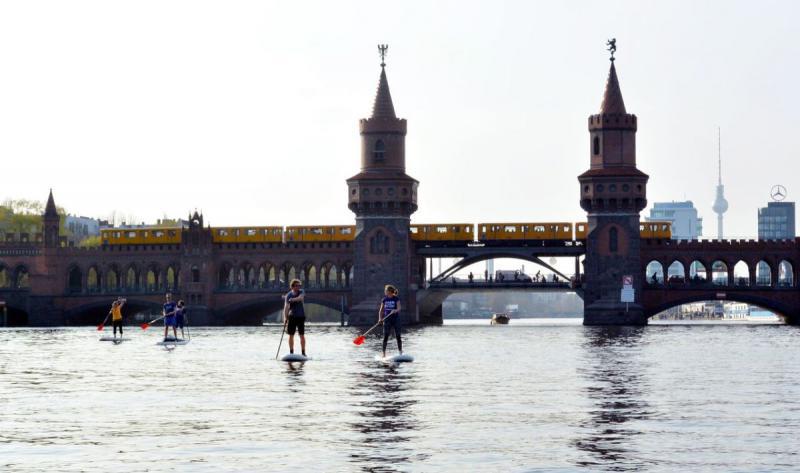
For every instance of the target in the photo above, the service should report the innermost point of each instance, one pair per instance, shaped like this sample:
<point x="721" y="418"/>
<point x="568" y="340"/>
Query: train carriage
<point x="647" y="230"/>
<point x="442" y="234"/>
<point x="320" y="233"/>
<point x="544" y="233"/>
<point x="141" y="236"/>
<point x="247" y="234"/>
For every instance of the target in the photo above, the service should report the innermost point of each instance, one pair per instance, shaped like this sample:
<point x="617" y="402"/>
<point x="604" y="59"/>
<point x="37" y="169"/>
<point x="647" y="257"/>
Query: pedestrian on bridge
<point x="294" y="315"/>
<point x="389" y="317"/>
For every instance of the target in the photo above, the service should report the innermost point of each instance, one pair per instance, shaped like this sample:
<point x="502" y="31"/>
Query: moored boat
<point x="500" y="319"/>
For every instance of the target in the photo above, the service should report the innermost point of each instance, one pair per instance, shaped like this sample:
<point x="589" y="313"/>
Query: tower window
<point x="379" y="151"/>
<point x="596" y="145"/>
<point x="613" y="242"/>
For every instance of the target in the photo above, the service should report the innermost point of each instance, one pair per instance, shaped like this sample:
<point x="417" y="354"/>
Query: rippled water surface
<point x="526" y="397"/>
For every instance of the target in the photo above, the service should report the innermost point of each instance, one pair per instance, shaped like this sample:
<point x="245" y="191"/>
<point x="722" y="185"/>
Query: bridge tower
<point x="613" y="192"/>
<point x="383" y="197"/>
<point x="51" y="223"/>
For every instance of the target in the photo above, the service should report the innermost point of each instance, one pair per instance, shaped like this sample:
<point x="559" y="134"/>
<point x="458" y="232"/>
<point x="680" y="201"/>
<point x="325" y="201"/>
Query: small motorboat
<point x="500" y="319"/>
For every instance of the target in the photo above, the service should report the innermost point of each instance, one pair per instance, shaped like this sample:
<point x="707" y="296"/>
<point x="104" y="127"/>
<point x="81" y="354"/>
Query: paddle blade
<point x="359" y="340"/>
<point x="100" y="327"/>
<point x="145" y="325"/>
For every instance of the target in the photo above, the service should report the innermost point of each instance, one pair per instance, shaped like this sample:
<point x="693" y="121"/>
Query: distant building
<point x="776" y="221"/>
<point x="683" y="217"/>
<point x="81" y="228"/>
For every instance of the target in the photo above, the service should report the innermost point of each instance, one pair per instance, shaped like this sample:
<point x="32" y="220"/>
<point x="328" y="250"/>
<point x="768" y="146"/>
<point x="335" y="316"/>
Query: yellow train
<point x="647" y="230"/>
<point x="247" y="235"/>
<point x="443" y="233"/>
<point x="525" y="232"/>
<point x="141" y="236"/>
<point x="323" y="233"/>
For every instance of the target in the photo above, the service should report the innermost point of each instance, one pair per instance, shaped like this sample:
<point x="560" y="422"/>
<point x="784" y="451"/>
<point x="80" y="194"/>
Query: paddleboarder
<point x="294" y="315"/>
<point x="116" y="315"/>
<point x="389" y="317"/>
<point x="168" y="312"/>
<point x="180" y="316"/>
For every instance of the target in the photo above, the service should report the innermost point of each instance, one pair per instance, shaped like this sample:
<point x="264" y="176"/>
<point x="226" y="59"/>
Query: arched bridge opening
<point x="470" y="261"/>
<point x="724" y="307"/>
<point x="256" y="312"/>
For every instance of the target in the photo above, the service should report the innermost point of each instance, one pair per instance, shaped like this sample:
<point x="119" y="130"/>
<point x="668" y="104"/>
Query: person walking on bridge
<point x="389" y="317"/>
<point x="294" y="312"/>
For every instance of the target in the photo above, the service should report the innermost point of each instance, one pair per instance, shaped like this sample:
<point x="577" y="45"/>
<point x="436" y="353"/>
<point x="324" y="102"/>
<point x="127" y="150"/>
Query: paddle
<point x="103" y="325"/>
<point x="147" y="324"/>
<point x="281" y="342"/>
<point x="359" y="340"/>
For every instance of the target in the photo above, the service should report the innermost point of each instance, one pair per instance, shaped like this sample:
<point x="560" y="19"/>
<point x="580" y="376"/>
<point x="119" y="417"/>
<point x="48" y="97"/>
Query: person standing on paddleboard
<point x="168" y="311"/>
<point x="116" y="315"/>
<point x="180" y="317"/>
<point x="389" y="317"/>
<point x="294" y="312"/>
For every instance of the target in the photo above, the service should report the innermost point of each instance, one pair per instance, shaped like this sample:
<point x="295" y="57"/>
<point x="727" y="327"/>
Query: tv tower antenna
<point x="720" y="204"/>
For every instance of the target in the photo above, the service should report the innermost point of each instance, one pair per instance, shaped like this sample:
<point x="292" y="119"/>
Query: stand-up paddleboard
<point x="115" y="340"/>
<point x="173" y="342"/>
<point x="294" y="357"/>
<point x="395" y="359"/>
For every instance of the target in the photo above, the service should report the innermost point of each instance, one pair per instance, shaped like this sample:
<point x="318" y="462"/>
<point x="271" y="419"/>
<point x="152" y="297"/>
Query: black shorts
<point x="296" y="324"/>
<point x="116" y="323"/>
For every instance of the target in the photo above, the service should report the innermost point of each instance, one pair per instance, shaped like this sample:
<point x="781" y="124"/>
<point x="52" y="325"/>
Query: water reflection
<point x="385" y="419"/>
<point x="616" y="389"/>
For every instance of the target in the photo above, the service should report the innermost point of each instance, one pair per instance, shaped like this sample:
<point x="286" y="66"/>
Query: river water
<point x="547" y="395"/>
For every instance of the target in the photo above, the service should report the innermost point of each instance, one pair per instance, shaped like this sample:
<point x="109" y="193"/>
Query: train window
<point x="158" y="234"/>
<point x="251" y="232"/>
<point x="414" y="230"/>
<point x="347" y="231"/>
<point x="236" y="232"/>
<point x="441" y="229"/>
<point x="566" y="228"/>
<point x="538" y="228"/>
<point x="317" y="231"/>
<point x="131" y="234"/>
<point x="172" y="233"/>
<point x="641" y="227"/>
<point x="117" y="234"/>
<point x="222" y="232"/>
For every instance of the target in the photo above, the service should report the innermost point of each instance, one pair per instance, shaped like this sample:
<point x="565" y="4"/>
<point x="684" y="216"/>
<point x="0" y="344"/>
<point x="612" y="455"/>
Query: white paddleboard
<point x="395" y="359"/>
<point x="294" y="357"/>
<point x="112" y="339"/>
<point x="173" y="342"/>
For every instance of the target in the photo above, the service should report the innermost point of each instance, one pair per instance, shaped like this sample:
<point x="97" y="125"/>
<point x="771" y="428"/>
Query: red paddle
<point x="103" y="324"/>
<point x="146" y="325"/>
<point x="359" y="340"/>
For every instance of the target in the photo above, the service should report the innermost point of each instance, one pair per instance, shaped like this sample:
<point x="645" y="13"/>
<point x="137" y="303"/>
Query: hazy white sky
<point x="249" y="110"/>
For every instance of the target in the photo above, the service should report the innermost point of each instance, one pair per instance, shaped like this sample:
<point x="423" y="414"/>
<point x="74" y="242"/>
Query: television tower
<point x="720" y="204"/>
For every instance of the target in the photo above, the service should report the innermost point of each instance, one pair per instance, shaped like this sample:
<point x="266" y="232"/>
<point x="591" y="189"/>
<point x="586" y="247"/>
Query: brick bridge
<point x="43" y="282"/>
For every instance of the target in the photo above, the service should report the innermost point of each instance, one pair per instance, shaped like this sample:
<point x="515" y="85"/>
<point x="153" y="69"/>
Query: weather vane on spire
<point x="382" y="50"/>
<point x="612" y="47"/>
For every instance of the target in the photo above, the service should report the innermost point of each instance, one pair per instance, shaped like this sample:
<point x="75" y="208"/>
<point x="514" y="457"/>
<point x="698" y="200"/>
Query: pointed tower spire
<point x="383" y="107"/>
<point x="612" y="98"/>
<point x="50" y="209"/>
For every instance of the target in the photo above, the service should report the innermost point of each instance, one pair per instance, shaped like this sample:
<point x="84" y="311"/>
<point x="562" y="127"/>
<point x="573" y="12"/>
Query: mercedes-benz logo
<point x="778" y="193"/>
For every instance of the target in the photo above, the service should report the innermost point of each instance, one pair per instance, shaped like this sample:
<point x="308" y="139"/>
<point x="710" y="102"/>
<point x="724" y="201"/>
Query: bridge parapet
<point x="715" y="245"/>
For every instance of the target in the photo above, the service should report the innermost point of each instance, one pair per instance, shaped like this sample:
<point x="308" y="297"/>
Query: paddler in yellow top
<point x="116" y="315"/>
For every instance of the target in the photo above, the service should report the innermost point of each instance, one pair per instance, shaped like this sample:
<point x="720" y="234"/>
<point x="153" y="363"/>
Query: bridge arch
<point x="172" y="277"/>
<point x="132" y="278"/>
<point x="676" y="272"/>
<point x="786" y="276"/>
<point x="225" y="276"/>
<point x="112" y="278"/>
<point x="745" y="297"/>
<point x="254" y="311"/>
<point x="501" y="253"/>
<point x="21" y="277"/>
<point x="720" y="273"/>
<point x="698" y="271"/>
<point x="5" y="276"/>
<point x="741" y="273"/>
<point x="153" y="277"/>
<point x="288" y="272"/>
<point x="763" y="273"/>
<point x="74" y="279"/>
<point x="654" y="272"/>
<point x="93" y="279"/>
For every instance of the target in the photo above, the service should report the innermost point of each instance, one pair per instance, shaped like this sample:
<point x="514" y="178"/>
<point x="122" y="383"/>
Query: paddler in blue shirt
<point x="168" y="311"/>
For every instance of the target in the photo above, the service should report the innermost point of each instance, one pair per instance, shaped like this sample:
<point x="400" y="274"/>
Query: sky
<point x="249" y="111"/>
